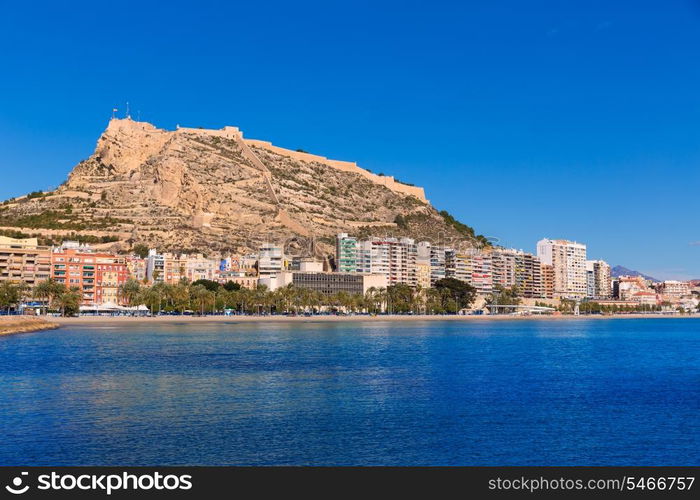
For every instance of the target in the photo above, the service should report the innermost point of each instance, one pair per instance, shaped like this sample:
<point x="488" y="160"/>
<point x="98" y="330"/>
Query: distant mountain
<point x="623" y="271"/>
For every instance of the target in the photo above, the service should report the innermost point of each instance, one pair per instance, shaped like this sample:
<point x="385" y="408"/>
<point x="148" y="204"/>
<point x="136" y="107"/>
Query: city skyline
<point x="554" y="113"/>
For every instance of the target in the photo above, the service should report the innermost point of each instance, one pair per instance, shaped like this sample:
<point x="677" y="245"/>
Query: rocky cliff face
<point x="215" y="191"/>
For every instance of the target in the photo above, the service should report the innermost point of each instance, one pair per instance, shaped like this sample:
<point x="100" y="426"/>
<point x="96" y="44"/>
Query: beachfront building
<point x="136" y="268"/>
<point x="391" y="257"/>
<point x="23" y="260"/>
<point x="332" y="283"/>
<point x="174" y="268"/>
<point x="198" y="267"/>
<point x="97" y="276"/>
<point x="528" y="275"/>
<point x="482" y="272"/>
<point x="673" y="291"/>
<point x="547" y="273"/>
<point x="504" y="267"/>
<point x="487" y="269"/>
<point x="568" y="261"/>
<point x="155" y="267"/>
<point x="438" y="263"/>
<point x="627" y="286"/>
<point x="423" y="264"/>
<point x="402" y="264"/>
<point x="241" y="279"/>
<point x="458" y="265"/>
<point x="346" y="250"/>
<point x="112" y="273"/>
<point x="327" y="283"/>
<point x="270" y="260"/>
<point x="645" y="298"/>
<point x="598" y="284"/>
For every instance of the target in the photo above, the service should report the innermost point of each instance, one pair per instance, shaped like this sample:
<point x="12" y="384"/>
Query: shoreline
<point x="14" y="325"/>
<point x="116" y="320"/>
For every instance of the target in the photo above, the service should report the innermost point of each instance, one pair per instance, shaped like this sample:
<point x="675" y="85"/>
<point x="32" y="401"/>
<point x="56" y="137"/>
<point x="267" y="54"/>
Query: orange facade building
<point x="98" y="276"/>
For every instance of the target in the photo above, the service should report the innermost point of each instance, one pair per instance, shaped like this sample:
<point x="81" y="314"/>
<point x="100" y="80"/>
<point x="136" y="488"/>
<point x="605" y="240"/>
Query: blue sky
<point x="576" y="120"/>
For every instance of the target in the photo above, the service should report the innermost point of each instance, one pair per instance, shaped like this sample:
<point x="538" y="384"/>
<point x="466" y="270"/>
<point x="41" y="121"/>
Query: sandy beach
<point x="117" y="320"/>
<point x="10" y="325"/>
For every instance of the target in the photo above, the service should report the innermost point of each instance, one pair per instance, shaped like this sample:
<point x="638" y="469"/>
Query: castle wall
<point x="345" y="166"/>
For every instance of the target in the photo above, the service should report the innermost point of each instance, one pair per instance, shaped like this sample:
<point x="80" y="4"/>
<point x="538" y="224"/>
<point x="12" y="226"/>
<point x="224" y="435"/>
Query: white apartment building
<point x="482" y="272"/>
<point x="598" y="283"/>
<point x="438" y="263"/>
<point x="390" y="257"/>
<point x="568" y="260"/>
<point x="270" y="260"/>
<point x="155" y="266"/>
<point x="458" y="265"/>
<point x="673" y="291"/>
<point x="503" y="267"/>
<point x="198" y="267"/>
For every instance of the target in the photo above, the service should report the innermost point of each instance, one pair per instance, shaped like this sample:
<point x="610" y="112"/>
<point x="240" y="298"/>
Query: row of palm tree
<point x="205" y="298"/>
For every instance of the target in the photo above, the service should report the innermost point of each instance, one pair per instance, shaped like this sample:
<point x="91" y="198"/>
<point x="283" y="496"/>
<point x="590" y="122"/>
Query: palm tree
<point x="48" y="290"/>
<point x="69" y="299"/>
<point x="161" y="291"/>
<point x="179" y="296"/>
<point x="129" y="291"/>
<point x="433" y="301"/>
<point x="259" y="298"/>
<point x="10" y="295"/>
<point x="151" y="298"/>
<point x="381" y="298"/>
<point x="201" y="296"/>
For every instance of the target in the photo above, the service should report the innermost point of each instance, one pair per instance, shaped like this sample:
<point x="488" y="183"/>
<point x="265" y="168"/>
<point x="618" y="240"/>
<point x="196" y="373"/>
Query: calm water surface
<point x="600" y="392"/>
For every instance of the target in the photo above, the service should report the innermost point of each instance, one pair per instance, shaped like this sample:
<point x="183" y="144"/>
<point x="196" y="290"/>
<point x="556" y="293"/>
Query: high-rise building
<point x="438" y="263"/>
<point x="598" y="285"/>
<point x="390" y="257"/>
<point x="423" y="264"/>
<point x="270" y="260"/>
<point x="482" y="273"/>
<point x="547" y="272"/>
<point x="568" y="260"/>
<point x="155" y="266"/>
<point x="458" y="265"/>
<point x="528" y="275"/>
<point x="346" y="249"/>
<point x="504" y="266"/>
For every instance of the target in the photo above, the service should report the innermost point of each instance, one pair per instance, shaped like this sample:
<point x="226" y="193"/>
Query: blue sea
<point x="579" y="392"/>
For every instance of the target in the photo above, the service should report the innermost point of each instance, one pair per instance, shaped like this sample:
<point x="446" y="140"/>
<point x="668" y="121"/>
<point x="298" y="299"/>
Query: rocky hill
<point x="218" y="192"/>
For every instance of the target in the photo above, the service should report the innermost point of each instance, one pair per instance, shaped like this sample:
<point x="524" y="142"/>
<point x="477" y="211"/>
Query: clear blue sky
<point x="576" y="120"/>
